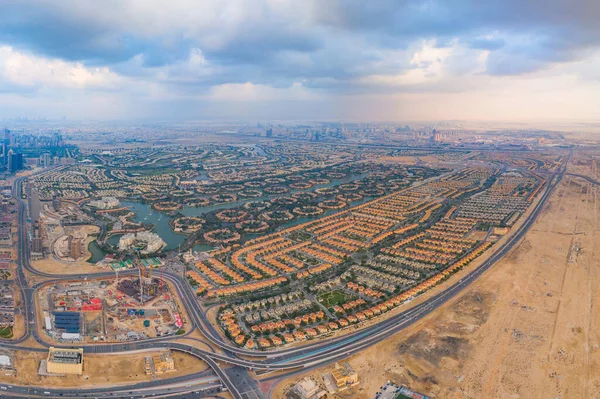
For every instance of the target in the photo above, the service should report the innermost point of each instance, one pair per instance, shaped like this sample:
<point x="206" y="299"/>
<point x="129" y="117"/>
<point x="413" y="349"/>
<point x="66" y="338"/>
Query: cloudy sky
<point x="305" y="59"/>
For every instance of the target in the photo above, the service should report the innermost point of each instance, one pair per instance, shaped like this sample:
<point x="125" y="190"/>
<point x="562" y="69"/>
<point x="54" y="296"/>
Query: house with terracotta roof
<point x="311" y="332"/>
<point x="322" y="329"/>
<point x="288" y="338"/>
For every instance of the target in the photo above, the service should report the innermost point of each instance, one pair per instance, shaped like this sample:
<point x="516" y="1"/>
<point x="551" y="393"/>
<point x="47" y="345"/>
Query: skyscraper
<point x="6" y="138"/>
<point x="10" y="166"/>
<point x="18" y="161"/>
<point x="15" y="161"/>
<point x="46" y="160"/>
<point x="5" y="145"/>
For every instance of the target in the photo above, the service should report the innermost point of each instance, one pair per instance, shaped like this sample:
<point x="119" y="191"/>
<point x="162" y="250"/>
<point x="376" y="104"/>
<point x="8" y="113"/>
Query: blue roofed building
<point x="68" y="321"/>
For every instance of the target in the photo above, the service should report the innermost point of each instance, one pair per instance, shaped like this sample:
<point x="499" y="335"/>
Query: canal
<point x="145" y="214"/>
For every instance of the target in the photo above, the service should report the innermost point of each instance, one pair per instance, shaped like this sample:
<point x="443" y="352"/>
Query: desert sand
<point x="98" y="370"/>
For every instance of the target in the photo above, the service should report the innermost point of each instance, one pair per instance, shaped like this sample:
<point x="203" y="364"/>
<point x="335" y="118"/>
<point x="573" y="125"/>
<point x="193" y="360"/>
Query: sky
<point x="361" y="60"/>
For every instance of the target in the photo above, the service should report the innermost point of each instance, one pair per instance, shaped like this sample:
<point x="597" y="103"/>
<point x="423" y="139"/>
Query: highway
<point x="596" y="182"/>
<point x="289" y="361"/>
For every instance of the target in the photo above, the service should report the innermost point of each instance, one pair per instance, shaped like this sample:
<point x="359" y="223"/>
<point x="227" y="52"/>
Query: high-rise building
<point x="15" y="161"/>
<point x="75" y="247"/>
<point x="46" y="160"/>
<point x="5" y="145"/>
<point x="6" y="137"/>
<point x="10" y="166"/>
<point x="269" y="132"/>
<point x="57" y="140"/>
<point x="18" y="161"/>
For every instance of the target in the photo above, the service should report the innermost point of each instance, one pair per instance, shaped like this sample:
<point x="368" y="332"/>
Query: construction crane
<point x="142" y="275"/>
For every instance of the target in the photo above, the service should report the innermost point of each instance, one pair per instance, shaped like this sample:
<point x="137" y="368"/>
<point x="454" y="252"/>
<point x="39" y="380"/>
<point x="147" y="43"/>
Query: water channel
<point x="145" y="214"/>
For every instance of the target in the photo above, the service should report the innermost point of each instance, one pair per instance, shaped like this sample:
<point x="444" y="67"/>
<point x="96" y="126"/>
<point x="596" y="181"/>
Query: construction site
<point x="62" y="362"/>
<point x="110" y="310"/>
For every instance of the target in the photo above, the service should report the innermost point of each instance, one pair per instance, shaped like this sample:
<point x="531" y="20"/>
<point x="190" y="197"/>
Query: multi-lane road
<point x="285" y="361"/>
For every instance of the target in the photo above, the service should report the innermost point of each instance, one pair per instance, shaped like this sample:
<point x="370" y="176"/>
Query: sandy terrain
<point x="98" y="370"/>
<point x="527" y="329"/>
<point x="19" y="326"/>
<point x="53" y="265"/>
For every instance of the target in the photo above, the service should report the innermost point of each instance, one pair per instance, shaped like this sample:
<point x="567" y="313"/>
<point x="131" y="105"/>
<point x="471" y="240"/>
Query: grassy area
<point x="330" y="299"/>
<point x="6" y="332"/>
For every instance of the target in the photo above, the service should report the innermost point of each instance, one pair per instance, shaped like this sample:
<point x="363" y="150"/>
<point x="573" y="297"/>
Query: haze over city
<point x="300" y="60"/>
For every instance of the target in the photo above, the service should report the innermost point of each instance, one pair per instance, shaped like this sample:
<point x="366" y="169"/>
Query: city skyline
<point x="379" y="61"/>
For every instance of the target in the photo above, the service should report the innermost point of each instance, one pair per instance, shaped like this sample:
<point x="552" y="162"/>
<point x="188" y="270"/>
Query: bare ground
<point x="98" y="370"/>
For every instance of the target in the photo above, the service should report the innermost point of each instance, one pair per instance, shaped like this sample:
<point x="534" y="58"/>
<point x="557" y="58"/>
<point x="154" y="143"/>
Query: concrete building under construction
<point x="145" y="288"/>
<point x="341" y="377"/>
<point x="65" y="361"/>
<point x="158" y="364"/>
<point x="74" y="246"/>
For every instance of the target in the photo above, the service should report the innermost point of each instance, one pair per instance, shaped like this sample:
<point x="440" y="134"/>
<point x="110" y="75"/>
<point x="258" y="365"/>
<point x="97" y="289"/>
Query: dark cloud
<point x="325" y="44"/>
<point x="522" y="36"/>
<point x="59" y="34"/>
